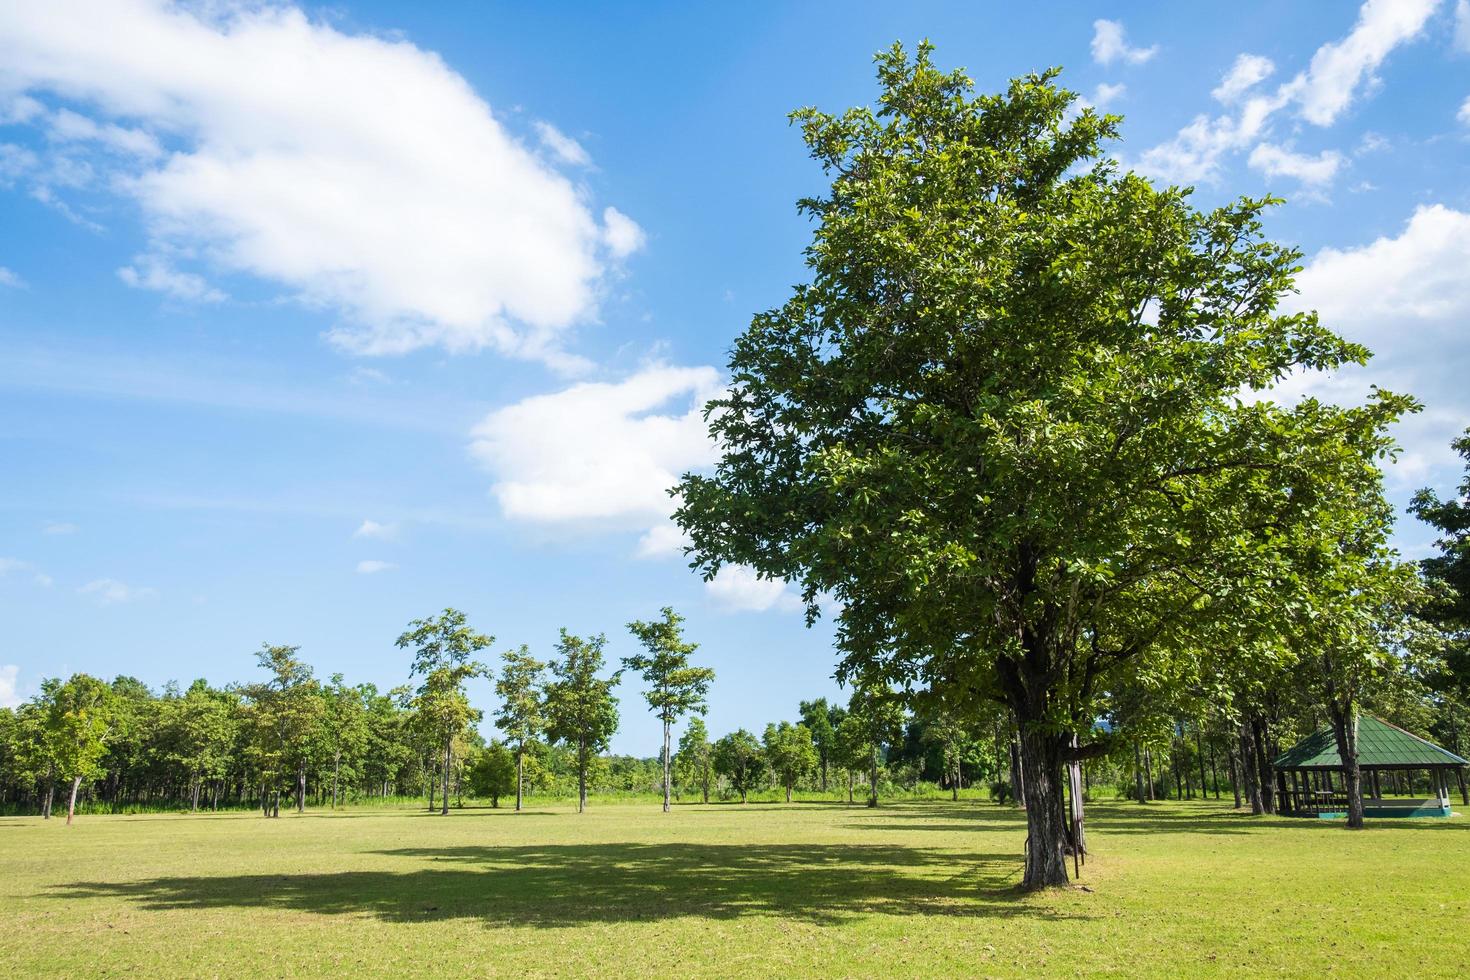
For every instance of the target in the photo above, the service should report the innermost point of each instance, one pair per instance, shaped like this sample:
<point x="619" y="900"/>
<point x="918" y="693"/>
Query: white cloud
<point x="1462" y="25"/>
<point x="109" y="591"/>
<point x="1339" y="69"/>
<point x="373" y="529"/>
<point x="562" y="146"/>
<point x="662" y="541"/>
<point x="8" y="278"/>
<point x="1106" y="94"/>
<point x="60" y="527"/>
<point x="359" y="172"/>
<point x="1276" y="161"/>
<point x="1109" y="45"/>
<point x="603" y="452"/>
<point x="1464" y="114"/>
<point x="739" y="589"/>
<point x="372" y="567"/>
<point x="69" y="127"/>
<point x="154" y="272"/>
<point x="1406" y="297"/>
<point x="621" y="233"/>
<point x="1337" y="73"/>
<point x="9" y="696"/>
<point x="1248" y="70"/>
<point x="8" y="565"/>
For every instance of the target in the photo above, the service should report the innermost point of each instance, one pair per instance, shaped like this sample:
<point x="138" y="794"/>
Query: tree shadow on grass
<point x="568" y="885"/>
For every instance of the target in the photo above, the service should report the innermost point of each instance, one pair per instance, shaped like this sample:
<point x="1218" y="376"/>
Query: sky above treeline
<point x="318" y="319"/>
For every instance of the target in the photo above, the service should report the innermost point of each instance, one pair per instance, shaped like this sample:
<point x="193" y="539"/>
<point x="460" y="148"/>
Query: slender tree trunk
<point x="1345" y="728"/>
<point x="520" y="775"/>
<point x="1199" y="747"/>
<point x="582" y="775"/>
<point x="1234" y="774"/>
<point x="705" y="786"/>
<point x="71" y="804"/>
<point x="1018" y="774"/>
<point x="1148" y="772"/>
<point x="788" y="792"/>
<point x="873" y="775"/>
<point x="336" y="777"/>
<point x="1041" y="767"/>
<point x="301" y="787"/>
<point x="50" y="793"/>
<point x="1248" y="770"/>
<point x="448" y="758"/>
<point x="1138" y="771"/>
<point x="849" y="786"/>
<point x="666" y="765"/>
<point x="1214" y="771"/>
<point x="194" y="802"/>
<point x="1260" y="738"/>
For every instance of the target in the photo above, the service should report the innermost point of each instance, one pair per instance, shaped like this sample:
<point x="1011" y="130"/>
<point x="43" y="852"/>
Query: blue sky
<point x="314" y="320"/>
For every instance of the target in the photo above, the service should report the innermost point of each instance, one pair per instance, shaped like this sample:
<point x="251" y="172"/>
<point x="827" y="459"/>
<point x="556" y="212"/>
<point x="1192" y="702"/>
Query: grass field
<point x="909" y="889"/>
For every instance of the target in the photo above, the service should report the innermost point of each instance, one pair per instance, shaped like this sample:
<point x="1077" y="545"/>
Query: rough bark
<point x="1041" y="767"/>
<point x="301" y="787"/>
<point x="1248" y="771"/>
<point x="873" y="776"/>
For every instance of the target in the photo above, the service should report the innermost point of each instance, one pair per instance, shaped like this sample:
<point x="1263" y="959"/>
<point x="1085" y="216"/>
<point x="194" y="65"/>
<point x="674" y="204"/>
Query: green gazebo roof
<point x="1380" y="746"/>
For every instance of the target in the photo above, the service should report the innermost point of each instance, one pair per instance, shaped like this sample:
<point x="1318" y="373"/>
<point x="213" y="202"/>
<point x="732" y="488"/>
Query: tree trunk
<point x="1248" y="770"/>
<point x="301" y="787"/>
<point x="1041" y="767"/>
<point x="194" y="803"/>
<point x="666" y="765"/>
<point x="50" y="796"/>
<point x="873" y="775"/>
<point x="788" y="792"/>
<point x="1148" y="772"/>
<point x="1345" y="728"/>
<point x="705" y="787"/>
<point x="336" y="777"/>
<point x="71" y="804"/>
<point x="448" y="761"/>
<point x="849" y="786"/>
<point x="582" y="775"/>
<point x="1199" y="746"/>
<point x="520" y="776"/>
<point x="1018" y="775"/>
<point x="1138" y="771"/>
<point x="1263" y="763"/>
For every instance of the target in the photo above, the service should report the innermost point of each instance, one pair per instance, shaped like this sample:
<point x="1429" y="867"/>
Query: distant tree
<point x="200" y="730"/>
<point x="695" y="759"/>
<point x="874" y="719"/>
<point x="77" y="727"/>
<point x="493" y="772"/>
<point x="443" y="647"/>
<point x="581" y="710"/>
<point x="284" y="718"/>
<point x="344" y="729"/>
<point x="522" y="715"/>
<point x="738" y="758"/>
<point x="790" y="753"/>
<point x="674" y="687"/>
<point x="822" y="719"/>
<point x="1449" y="572"/>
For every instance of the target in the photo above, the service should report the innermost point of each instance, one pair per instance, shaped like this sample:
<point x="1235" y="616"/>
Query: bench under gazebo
<point x="1311" y="779"/>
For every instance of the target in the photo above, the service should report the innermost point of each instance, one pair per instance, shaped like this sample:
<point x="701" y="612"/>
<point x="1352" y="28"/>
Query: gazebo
<point x="1388" y="757"/>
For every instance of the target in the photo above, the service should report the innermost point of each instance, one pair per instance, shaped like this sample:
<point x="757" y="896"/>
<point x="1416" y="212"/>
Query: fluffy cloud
<point x="738" y="588"/>
<point x="1464" y="114"/>
<point x="358" y="172"/>
<point x="373" y="529"/>
<point x="562" y="146"/>
<point x="8" y="278"/>
<point x="9" y="696"/>
<point x="372" y="566"/>
<point x="1275" y="161"/>
<point x="603" y="452"/>
<point x="1109" y="45"/>
<point x="1337" y="73"/>
<point x="1462" y="25"/>
<point x="109" y="591"/>
<point x="154" y="272"/>
<point x="1248" y="70"/>
<point x="1406" y="297"/>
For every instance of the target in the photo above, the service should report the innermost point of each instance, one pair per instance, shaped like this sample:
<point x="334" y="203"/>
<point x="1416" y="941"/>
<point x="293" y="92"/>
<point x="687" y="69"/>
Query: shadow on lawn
<point x="569" y="885"/>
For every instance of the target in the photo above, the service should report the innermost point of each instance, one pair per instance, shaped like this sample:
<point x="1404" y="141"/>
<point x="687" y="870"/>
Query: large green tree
<point x="675" y="687"/>
<point x="284" y="722"/>
<point x="581" y="710"/>
<point x="738" y="757"/>
<point x="822" y="719"/>
<point x="1002" y="425"/>
<point x="522" y="715"/>
<point x="444" y="648"/>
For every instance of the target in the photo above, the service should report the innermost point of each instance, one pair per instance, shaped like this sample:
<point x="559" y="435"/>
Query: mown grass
<point x="921" y="888"/>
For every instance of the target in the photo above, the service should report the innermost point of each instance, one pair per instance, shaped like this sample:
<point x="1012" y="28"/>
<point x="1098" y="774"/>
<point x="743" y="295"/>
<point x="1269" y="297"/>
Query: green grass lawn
<point x="911" y="889"/>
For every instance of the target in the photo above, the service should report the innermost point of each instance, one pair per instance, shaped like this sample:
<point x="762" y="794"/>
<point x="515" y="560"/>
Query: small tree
<point x="77" y="726"/>
<point x="522" y="715"/>
<point x="674" y="687"/>
<point x="581" y="710"/>
<point x="284" y="717"/>
<point x="443" y="646"/>
<point x="344" y="729"/>
<point x="875" y="718"/>
<point x="493" y="773"/>
<point x="822" y="719"/>
<point x="789" y="753"/>
<point x="695" y="759"/>
<point x="738" y="758"/>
